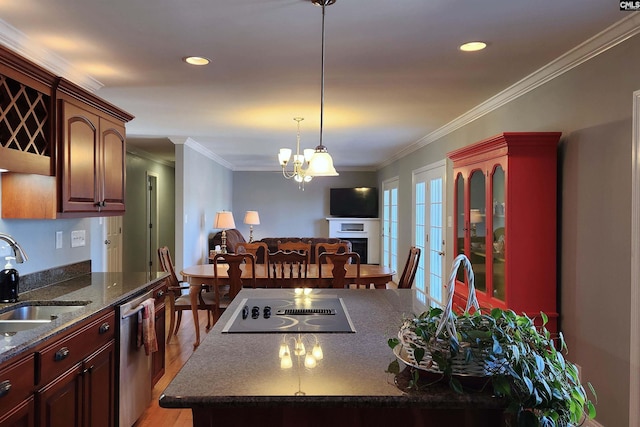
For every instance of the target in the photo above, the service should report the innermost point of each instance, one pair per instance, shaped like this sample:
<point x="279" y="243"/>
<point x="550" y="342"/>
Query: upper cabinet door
<point x="93" y="161"/>
<point x="80" y="157"/>
<point x="112" y="165"/>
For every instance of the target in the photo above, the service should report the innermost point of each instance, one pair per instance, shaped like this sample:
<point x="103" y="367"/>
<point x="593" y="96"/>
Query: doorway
<point x="112" y="239"/>
<point x="390" y="225"/>
<point x="152" y="223"/>
<point x="634" y="384"/>
<point x="429" y="231"/>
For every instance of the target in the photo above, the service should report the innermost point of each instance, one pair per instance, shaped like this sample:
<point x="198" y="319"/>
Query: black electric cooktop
<point x="304" y="314"/>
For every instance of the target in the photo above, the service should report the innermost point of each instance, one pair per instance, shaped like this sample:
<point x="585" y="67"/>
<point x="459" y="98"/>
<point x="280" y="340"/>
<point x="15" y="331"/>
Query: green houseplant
<point x="520" y="360"/>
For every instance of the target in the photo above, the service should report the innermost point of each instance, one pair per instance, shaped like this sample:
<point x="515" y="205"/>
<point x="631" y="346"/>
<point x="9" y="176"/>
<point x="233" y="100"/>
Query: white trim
<point x="138" y="152"/>
<point x="610" y="37"/>
<point x="634" y="339"/>
<point x="195" y="145"/>
<point x="20" y="43"/>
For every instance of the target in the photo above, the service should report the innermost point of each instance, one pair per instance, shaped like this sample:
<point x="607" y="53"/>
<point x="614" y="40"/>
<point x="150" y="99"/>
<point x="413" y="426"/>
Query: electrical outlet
<point x="77" y="238"/>
<point x="58" y="239"/>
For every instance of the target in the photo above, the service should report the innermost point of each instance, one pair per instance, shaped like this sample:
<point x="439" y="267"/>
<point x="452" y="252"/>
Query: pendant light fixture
<point x="319" y="161"/>
<point x="321" y="164"/>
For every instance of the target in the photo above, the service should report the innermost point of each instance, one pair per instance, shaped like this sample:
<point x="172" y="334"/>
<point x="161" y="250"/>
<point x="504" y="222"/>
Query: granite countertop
<point x="243" y="369"/>
<point x="97" y="290"/>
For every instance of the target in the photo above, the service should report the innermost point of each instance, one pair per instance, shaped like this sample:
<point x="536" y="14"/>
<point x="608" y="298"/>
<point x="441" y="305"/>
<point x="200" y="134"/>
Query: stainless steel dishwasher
<point x="135" y="366"/>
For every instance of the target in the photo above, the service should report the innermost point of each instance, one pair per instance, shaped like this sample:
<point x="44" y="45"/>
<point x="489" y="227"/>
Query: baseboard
<point x="592" y="423"/>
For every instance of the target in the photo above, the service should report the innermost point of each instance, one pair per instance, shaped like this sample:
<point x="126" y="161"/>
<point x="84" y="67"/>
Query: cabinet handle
<point x="61" y="354"/>
<point x="104" y="328"/>
<point x="5" y="387"/>
<point x="160" y="294"/>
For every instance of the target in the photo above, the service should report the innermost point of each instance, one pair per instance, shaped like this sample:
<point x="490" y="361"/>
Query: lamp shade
<point x="224" y="220"/>
<point x="251" y="218"/>
<point x="321" y="164"/>
<point x="475" y="217"/>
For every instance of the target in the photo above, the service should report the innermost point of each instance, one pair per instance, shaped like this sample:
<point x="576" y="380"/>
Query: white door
<point x="429" y="231"/>
<point x="390" y="225"/>
<point x="113" y="243"/>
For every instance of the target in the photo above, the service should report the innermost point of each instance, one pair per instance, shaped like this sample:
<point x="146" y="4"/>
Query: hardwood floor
<point x="177" y="353"/>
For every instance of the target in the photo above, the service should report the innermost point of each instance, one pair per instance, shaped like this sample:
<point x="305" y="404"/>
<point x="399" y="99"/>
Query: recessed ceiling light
<point x="473" y="46"/>
<point x="196" y="60"/>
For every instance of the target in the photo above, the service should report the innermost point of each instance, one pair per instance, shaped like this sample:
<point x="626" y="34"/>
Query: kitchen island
<point x="240" y="378"/>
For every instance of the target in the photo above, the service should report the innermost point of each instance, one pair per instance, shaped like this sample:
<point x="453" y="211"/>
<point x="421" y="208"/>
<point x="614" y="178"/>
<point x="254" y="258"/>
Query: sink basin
<point x="31" y="314"/>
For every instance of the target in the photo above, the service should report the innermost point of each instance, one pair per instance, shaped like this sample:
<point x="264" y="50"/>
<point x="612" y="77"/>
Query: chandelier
<point x="319" y="160"/>
<point x="299" y="173"/>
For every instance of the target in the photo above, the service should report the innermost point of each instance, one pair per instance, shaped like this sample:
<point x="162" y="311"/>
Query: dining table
<point x="198" y="275"/>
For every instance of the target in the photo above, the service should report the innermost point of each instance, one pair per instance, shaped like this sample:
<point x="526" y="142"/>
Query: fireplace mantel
<point x="358" y="228"/>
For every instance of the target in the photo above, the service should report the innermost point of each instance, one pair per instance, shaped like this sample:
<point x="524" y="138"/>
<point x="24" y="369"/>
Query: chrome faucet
<point x="21" y="256"/>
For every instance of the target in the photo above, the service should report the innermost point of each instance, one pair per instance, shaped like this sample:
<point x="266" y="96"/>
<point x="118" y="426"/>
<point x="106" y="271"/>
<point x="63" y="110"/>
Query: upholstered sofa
<point x="234" y="237"/>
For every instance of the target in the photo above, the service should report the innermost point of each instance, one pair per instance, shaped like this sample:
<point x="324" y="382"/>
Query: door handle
<point x="107" y="242"/>
<point x="441" y="253"/>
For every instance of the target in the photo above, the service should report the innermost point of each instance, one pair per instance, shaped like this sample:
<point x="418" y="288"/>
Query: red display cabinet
<point x="505" y="192"/>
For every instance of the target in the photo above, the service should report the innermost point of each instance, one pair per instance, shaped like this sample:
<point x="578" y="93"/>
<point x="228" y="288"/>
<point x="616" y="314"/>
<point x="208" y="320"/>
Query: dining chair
<point x="260" y="251"/>
<point x="339" y="270"/>
<point x="296" y="246"/>
<point x="339" y="247"/>
<point x="225" y="292"/>
<point x="288" y="269"/>
<point x="178" y="301"/>
<point x="410" y="268"/>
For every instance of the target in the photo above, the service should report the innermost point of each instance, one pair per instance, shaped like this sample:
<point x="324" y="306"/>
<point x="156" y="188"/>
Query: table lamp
<point x="475" y="217"/>
<point x="224" y="220"/>
<point x="252" y="218"/>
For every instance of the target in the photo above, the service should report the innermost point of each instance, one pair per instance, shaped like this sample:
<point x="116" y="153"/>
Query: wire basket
<point x="441" y="336"/>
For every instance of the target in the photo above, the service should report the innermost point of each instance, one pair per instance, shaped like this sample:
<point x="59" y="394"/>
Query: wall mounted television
<point x="357" y="202"/>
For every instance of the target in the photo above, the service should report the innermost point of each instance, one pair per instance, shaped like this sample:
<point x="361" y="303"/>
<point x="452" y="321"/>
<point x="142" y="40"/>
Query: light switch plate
<point x="58" y="239"/>
<point x="77" y="238"/>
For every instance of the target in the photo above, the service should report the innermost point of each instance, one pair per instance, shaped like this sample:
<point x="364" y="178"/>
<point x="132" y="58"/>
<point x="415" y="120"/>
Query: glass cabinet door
<point x="460" y="222"/>
<point x="477" y="225"/>
<point x="498" y="227"/>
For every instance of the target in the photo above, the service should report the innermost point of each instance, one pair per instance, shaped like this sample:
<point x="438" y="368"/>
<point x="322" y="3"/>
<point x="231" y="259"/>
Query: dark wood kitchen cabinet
<point x="93" y="152"/>
<point x="505" y="221"/>
<point x="158" y="358"/>
<point x="78" y="373"/>
<point x="16" y="394"/>
<point x="74" y="163"/>
<point x="83" y="395"/>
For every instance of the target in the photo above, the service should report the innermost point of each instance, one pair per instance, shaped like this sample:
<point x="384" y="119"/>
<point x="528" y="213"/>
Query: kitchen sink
<point x="31" y="314"/>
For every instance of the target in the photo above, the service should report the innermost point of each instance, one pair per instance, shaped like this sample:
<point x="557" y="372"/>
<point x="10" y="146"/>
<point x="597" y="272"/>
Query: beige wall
<point x="592" y="106"/>
<point x="134" y="220"/>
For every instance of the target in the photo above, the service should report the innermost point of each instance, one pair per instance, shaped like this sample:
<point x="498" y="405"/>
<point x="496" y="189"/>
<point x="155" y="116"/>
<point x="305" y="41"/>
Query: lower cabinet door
<point x="99" y="380"/>
<point x="60" y="401"/>
<point x="22" y="415"/>
<point x="158" y="358"/>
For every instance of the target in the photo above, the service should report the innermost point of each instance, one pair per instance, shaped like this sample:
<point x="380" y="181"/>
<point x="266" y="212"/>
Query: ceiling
<point x="393" y="71"/>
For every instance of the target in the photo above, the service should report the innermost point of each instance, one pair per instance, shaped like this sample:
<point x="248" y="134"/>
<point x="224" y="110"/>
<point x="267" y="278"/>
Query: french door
<point x="390" y="225"/>
<point x="429" y="231"/>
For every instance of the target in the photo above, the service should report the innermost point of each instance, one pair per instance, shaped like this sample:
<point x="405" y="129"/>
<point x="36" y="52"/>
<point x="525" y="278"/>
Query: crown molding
<point x="601" y="42"/>
<point x="196" y="146"/>
<point x="18" y="42"/>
